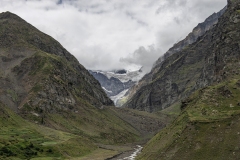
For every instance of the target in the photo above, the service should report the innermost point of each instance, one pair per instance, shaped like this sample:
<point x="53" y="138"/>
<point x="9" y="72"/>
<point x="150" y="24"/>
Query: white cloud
<point x="142" y="57"/>
<point x="101" y="32"/>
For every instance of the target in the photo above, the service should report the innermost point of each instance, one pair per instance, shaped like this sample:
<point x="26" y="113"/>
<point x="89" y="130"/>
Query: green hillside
<point x="208" y="127"/>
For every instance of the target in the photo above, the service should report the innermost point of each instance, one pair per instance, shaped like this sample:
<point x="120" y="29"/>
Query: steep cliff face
<point x="177" y="74"/>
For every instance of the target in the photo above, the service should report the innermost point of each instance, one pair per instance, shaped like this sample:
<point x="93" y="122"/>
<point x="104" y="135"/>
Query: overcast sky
<point x="114" y="34"/>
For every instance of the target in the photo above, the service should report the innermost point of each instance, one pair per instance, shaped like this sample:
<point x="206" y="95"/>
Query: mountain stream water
<point x="137" y="150"/>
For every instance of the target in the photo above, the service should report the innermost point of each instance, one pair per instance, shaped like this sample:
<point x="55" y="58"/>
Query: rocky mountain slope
<point x="50" y="103"/>
<point x="192" y="37"/>
<point x="117" y="83"/>
<point x="27" y="55"/>
<point x="208" y="126"/>
<point x="177" y="74"/>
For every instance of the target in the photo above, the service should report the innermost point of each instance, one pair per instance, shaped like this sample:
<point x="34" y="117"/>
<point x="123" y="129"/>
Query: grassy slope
<point x="144" y="122"/>
<point x="22" y="139"/>
<point x="208" y="128"/>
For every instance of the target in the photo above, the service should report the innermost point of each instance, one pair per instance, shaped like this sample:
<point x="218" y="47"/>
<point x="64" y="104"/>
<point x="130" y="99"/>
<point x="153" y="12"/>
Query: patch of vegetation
<point x="41" y="64"/>
<point x="13" y="95"/>
<point x="27" y="107"/>
<point x="174" y="110"/>
<point x="37" y="88"/>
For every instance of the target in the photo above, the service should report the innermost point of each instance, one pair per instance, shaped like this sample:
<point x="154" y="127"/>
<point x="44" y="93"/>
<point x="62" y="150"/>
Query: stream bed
<point x="129" y="155"/>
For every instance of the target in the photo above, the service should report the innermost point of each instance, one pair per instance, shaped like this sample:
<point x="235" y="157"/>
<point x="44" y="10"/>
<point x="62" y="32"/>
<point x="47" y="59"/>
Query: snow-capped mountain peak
<point x="116" y="83"/>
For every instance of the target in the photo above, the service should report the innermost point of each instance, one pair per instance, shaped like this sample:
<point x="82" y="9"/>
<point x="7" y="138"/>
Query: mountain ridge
<point x="197" y="32"/>
<point x="144" y="96"/>
<point x="23" y="36"/>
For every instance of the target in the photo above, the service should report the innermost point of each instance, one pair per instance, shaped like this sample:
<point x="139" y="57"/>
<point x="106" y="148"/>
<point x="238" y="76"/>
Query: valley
<point x="188" y="106"/>
<point x="23" y="139"/>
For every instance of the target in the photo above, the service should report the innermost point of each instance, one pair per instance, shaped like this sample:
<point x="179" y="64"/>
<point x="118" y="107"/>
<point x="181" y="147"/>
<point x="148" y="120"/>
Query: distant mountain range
<point x="117" y="83"/>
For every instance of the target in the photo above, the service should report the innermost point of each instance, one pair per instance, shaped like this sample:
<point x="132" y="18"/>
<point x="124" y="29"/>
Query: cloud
<point x="107" y="34"/>
<point x="143" y="57"/>
<point x="59" y="2"/>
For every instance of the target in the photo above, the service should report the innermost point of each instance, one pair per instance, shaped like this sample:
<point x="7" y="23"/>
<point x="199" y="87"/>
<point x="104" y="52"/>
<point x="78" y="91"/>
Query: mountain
<point x="208" y="126"/>
<point x="173" y="76"/>
<point x="27" y="55"/>
<point x="192" y="37"/>
<point x="51" y="107"/>
<point x="117" y="83"/>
